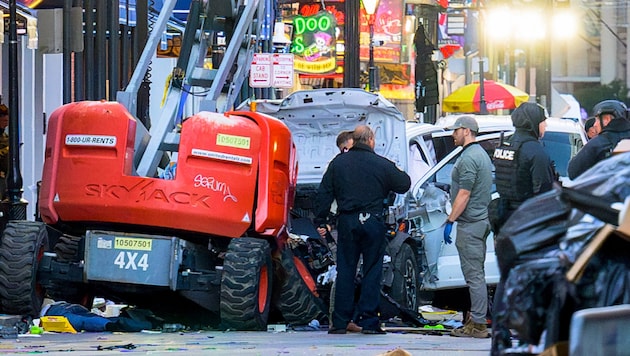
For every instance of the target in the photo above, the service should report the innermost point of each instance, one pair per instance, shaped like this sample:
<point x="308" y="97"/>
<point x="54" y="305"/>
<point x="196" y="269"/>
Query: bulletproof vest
<point x="511" y="182"/>
<point x="613" y="139"/>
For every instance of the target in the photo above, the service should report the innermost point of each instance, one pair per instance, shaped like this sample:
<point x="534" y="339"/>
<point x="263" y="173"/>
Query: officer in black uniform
<point x="359" y="180"/>
<point x="612" y="116"/>
<point x="523" y="168"/>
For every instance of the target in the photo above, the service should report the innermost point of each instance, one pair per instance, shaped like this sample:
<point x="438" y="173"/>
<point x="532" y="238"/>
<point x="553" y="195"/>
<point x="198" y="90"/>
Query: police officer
<point x="359" y="180"/>
<point x="612" y="116"/>
<point x="523" y="168"/>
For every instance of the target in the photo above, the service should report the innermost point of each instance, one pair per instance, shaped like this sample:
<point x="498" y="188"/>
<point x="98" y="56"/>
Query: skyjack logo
<point x="143" y="192"/>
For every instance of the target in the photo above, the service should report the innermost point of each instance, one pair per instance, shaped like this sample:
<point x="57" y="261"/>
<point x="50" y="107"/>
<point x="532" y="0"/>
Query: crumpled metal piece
<point x="129" y="346"/>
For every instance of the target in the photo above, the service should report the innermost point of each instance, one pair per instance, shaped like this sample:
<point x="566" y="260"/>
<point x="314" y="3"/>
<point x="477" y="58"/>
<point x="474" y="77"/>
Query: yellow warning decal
<point x="233" y="141"/>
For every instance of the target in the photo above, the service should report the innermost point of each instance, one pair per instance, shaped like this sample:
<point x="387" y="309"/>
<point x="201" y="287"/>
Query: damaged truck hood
<point x="316" y="117"/>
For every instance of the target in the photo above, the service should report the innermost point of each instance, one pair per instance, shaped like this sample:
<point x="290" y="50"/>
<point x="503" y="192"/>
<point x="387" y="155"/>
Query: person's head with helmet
<point x="608" y="110"/>
<point x="530" y="118"/>
<point x="590" y="127"/>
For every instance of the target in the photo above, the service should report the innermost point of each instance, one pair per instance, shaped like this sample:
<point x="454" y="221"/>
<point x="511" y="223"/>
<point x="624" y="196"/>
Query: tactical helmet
<point x="614" y="107"/>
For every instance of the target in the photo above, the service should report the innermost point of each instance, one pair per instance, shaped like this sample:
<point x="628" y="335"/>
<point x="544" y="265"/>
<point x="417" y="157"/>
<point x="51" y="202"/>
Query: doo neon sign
<point x="314" y="42"/>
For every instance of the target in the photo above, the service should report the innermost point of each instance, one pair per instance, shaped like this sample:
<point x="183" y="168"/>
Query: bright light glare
<point x="523" y="24"/>
<point x="498" y="23"/>
<point x="529" y="25"/>
<point x="564" y="25"/>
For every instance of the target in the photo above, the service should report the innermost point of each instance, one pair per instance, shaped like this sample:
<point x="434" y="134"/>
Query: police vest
<point x="511" y="182"/>
<point x="613" y="139"/>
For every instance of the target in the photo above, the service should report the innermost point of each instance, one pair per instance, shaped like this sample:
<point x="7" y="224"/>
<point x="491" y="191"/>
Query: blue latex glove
<point x="447" y="232"/>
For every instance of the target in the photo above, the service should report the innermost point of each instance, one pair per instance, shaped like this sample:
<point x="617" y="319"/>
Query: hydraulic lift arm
<point x="205" y="19"/>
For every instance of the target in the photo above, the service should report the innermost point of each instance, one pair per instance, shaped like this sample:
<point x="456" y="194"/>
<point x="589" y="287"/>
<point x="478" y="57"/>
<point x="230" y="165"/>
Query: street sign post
<point x="260" y="71"/>
<point x="282" y="70"/>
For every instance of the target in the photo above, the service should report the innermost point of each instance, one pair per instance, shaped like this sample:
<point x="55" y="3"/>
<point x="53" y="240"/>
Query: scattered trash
<point x="329" y="276"/>
<point x="8" y="332"/>
<point x="36" y="330"/>
<point x="126" y="347"/>
<point x="432" y="313"/>
<point x="406" y="314"/>
<point x="173" y="328"/>
<point x="9" y="320"/>
<point x="113" y="310"/>
<point x="58" y="324"/>
<point x="276" y="328"/>
<point x="314" y="324"/>
<point x="454" y="324"/>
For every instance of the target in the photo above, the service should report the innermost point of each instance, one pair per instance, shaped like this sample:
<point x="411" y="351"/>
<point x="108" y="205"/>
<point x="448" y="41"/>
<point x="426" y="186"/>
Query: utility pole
<point x="543" y="65"/>
<point x="426" y="86"/>
<point x="482" y="95"/>
<point x="352" y="70"/>
<point x="13" y="203"/>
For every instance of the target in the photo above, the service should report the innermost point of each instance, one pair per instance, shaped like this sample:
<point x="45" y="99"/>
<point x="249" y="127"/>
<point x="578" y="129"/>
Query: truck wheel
<point x="299" y="302"/>
<point x="405" y="285"/>
<point x="246" y="284"/>
<point x="22" y="246"/>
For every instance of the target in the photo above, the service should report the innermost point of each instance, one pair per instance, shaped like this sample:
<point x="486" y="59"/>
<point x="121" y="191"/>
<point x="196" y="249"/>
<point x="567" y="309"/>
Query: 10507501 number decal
<point x="130" y="243"/>
<point x="130" y="260"/>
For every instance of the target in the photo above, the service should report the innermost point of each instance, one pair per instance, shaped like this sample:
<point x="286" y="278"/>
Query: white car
<point x="416" y="259"/>
<point x="429" y="198"/>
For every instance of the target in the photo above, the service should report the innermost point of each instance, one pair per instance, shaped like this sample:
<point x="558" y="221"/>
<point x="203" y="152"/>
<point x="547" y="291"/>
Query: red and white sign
<point x="260" y="71"/>
<point x="282" y="70"/>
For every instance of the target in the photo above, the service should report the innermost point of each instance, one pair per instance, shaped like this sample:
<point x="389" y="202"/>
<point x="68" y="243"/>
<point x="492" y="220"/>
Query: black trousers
<point x="355" y="239"/>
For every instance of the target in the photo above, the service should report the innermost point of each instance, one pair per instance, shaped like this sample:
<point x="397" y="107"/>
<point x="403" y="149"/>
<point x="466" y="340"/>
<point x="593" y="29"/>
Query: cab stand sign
<point x="271" y="70"/>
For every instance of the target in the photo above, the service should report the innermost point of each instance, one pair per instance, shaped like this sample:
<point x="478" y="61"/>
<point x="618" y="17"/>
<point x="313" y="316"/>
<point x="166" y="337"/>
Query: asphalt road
<point x="238" y="343"/>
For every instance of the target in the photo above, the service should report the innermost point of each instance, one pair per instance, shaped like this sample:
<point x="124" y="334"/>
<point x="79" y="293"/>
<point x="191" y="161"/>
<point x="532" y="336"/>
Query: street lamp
<point x="370" y="7"/>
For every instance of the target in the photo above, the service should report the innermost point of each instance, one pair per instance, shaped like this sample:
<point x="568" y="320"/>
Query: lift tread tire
<point x="67" y="248"/>
<point x="246" y="285"/>
<point x="21" y="248"/>
<point x="298" y="303"/>
<point x="406" y="283"/>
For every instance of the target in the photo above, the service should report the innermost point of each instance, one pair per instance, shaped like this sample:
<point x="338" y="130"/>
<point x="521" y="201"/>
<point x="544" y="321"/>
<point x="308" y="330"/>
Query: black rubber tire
<point x="246" y="285"/>
<point x="299" y="302"/>
<point x="67" y="248"/>
<point x="21" y="248"/>
<point x="406" y="283"/>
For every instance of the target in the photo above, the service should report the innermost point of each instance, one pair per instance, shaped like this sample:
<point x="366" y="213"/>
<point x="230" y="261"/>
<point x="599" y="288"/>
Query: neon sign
<point x="314" y="43"/>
